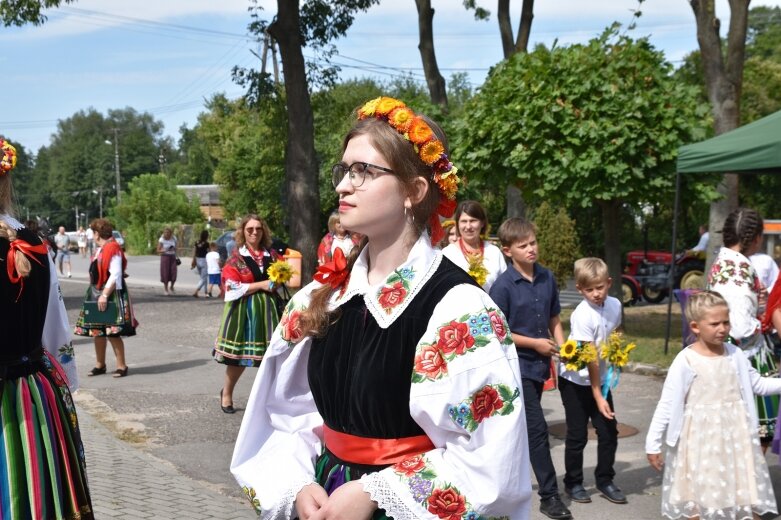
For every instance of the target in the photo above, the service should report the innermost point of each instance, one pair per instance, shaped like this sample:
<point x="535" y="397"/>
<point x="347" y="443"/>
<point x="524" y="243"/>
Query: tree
<point x="152" y="203"/>
<point x="20" y="12"/>
<point x="723" y="72"/>
<point x="598" y="123"/>
<point x="312" y="23"/>
<point x="434" y="79"/>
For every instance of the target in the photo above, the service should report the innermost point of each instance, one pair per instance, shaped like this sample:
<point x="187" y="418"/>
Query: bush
<point x="558" y="241"/>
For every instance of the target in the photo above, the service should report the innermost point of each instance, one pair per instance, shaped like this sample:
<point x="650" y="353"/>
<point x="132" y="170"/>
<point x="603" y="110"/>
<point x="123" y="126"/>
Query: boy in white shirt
<point x="592" y="321"/>
<point x="213" y="269"/>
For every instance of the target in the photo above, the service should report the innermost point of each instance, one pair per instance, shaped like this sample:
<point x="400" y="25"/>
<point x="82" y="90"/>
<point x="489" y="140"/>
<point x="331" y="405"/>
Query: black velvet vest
<point x="360" y="374"/>
<point x="21" y="322"/>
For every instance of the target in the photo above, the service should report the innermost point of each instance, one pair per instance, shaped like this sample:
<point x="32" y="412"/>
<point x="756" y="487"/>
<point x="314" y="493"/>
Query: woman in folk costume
<point x="733" y="276"/>
<point x="42" y="470"/>
<point x="107" y="284"/>
<point x="391" y="387"/>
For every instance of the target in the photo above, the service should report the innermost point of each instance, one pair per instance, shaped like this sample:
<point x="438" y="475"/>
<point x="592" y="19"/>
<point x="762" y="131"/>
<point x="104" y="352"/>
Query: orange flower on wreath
<point x="419" y="132"/>
<point x="431" y="151"/>
<point x="386" y="105"/>
<point x="400" y="118"/>
<point x="448" y="185"/>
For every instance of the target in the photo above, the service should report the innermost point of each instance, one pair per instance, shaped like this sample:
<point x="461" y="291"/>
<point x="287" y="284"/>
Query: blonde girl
<point x="706" y="421"/>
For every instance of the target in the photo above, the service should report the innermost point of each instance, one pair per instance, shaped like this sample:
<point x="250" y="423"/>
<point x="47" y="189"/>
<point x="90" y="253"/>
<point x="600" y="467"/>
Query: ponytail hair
<point x="21" y="262"/>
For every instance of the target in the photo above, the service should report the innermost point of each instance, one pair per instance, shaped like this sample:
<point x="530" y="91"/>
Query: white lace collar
<point x="387" y="300"/>
<point x="11" y="221"/>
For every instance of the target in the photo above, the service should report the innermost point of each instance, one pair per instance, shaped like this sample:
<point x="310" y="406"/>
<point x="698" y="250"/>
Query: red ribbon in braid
<point x="27" y="250"/>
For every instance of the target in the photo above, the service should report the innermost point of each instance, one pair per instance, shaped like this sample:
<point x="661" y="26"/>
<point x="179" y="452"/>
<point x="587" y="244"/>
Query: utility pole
<point x="116" y="162"/>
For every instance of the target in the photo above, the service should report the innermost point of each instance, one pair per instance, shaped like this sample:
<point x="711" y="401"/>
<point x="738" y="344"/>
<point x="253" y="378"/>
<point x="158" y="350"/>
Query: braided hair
<point x="742" y="227"/>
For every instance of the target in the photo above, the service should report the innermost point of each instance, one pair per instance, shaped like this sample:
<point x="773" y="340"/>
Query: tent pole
<point x="671" y="271"/>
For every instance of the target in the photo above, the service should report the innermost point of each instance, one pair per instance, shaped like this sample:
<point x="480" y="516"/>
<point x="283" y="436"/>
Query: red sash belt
<point x="374" y="452"/>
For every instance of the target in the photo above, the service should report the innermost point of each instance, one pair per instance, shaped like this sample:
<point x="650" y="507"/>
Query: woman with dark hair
<point x="481" y="259"/>
<point x="391" y="388"/>
<point x="199" y="262"/>
<point x="42" y="468"/>
<point x="107" y="292"/>
<point x="733" y="276"/>
<point x="250" y="314"/>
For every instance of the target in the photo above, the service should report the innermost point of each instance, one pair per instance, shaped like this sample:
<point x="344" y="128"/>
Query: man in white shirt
<point x="702" y="245"/>
<point x="62" y="241"/>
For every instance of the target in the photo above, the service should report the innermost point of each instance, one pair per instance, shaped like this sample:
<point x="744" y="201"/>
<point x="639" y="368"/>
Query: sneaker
<point x="69" y="275"/>
<point x="553" y="507"/>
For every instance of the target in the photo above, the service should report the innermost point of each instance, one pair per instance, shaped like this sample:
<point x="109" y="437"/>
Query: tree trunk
<point x="300" y="159"/>
<point x="435" y="81"/>
<point x="723" y="82"/>
<point x="515" y="205"/>
<point x="611" y="215"/>
<point x="525" y="26"/>
<point x="505" y="28"/>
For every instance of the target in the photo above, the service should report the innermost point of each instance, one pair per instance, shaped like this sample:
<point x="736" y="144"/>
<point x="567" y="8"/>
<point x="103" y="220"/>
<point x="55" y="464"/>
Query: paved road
<point x="158" y="445"/>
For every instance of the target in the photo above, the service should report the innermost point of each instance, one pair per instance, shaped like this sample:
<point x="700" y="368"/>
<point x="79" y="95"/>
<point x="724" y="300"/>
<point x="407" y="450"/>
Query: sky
<point x="166" y="57"/>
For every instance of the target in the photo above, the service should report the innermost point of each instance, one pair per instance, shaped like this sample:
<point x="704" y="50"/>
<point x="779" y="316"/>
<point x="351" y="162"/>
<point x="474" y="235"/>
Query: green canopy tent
<point x="753" y="148"/>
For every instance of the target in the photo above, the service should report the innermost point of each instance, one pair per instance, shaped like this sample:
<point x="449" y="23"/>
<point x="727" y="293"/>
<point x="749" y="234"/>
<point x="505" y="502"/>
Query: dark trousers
<point x="579" y="408"/>
<point x="539" y="447"/>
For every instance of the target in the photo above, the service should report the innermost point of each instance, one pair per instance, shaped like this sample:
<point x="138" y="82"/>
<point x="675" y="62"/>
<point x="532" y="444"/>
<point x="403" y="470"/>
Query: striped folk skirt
<point x="331" y="473"/>
<point x="42" y="469"/>
<point x="245" y="331"/>
<point x="767" y="405"/>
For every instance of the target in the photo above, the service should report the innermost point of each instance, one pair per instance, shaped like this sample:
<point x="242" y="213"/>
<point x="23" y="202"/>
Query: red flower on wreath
<point x="455" y="337"/>
<point x="497" y="322"/>
<point x="447" y="504"/>
<point x="392" y="295"/>
<point x="429" y="362"/>
<point x="409" y="467"/>
<point x="485" y="403"/>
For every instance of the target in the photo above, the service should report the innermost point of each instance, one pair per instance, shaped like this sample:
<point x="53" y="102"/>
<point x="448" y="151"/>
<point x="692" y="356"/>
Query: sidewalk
<point x="129" y="484"/>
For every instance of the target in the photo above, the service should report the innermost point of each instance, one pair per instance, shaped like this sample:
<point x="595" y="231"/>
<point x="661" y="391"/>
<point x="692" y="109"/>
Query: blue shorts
<point x="214" y="279"/>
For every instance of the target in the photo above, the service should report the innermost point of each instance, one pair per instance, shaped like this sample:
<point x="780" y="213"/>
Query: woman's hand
<point x="348" y="502"/>
<point x="655" y="460"/>
<point x="102" y="302"/>
<point x="309" y="500"/>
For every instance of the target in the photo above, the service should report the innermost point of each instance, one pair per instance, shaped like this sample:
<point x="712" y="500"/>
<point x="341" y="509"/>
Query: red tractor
<point x="646" y="274"/>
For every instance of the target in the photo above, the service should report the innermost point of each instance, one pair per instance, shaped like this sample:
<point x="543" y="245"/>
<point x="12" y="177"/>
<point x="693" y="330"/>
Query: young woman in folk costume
<point x="481" y="259"/>
<point x="391" y="387"/>
<point x="42" y="470"/>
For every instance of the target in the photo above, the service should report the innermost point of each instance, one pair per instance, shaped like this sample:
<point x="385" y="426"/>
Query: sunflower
<point x="588" y="353"/>
<point x="629" y="348"/>
<point x="431" y="151"/>
<point x="400" y="119"/>
<point x="572" y="367"/>
<point x="367" y="110"/>
<point x="568" y="349"/>
<point x="419" y="132"/>
<point x="385" y="105"/>
<point x="280" y="272"/>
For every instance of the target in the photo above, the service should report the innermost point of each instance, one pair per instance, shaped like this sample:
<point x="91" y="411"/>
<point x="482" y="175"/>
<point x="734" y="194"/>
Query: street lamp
<point x="99" y="193"/>
<point x="116" y="159"/>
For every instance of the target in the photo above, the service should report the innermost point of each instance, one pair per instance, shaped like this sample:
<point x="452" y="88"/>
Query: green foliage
<point x="152" y="203"/>
<point x="580" y="124"/>
<point x="192" y="163"/>
<point x="20" y="12"/>
<point x="558" y="241"/>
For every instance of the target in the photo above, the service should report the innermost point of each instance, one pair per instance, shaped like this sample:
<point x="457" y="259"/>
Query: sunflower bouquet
<point x="576" y="355"/>
<point x="615" y="351"/>
<point x="477" y="269"/>
<point x="280" y="272"/>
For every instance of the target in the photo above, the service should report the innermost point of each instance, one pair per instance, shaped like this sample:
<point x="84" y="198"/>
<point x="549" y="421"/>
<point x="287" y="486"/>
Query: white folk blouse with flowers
<point x="481" y="459"/>
<point x="493" y="260"/>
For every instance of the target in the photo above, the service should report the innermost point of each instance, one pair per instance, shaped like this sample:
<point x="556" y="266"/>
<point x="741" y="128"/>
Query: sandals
<point x="120" y="372"/>
<point x="97" y="371"/>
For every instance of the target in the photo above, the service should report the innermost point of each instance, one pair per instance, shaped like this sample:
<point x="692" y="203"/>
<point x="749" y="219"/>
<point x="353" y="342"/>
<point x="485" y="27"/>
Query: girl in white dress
<point x="714" y="468"/>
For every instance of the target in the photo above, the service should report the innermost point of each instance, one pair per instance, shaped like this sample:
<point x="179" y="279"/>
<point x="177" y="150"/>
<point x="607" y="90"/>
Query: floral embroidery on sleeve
<point x="441" y="499"/>
<point x="727" y="271"/>
<point x="486" y="402"/>
<point x="290" y="324"/>
<point x="456" y="338"/>
<point x="396" y="289"/>
<point x="65" y="353"/>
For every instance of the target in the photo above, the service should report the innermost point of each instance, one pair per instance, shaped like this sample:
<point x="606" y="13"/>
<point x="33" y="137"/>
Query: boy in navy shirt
<point x="527" y="295"/>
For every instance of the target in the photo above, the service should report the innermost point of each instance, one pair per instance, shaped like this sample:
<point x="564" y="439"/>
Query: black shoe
<point x="553" y="507"/>
<point x="612" y="493"/>
<point x="97" y="371"/>
<point x="226" y="409"/>
<point x="578" y="494"/>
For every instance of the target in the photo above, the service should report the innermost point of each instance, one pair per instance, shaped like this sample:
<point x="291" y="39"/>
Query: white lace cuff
<point x="386" y="499"/>
<point x="285" y="507"/>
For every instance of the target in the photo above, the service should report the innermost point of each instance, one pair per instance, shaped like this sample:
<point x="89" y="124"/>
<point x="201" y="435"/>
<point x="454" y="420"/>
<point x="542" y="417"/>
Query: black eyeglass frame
<point x="339" y="170"/>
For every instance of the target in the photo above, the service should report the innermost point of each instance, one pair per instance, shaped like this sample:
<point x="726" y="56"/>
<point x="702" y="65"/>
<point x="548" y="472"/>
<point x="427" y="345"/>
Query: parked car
<point x="119" y="239"/>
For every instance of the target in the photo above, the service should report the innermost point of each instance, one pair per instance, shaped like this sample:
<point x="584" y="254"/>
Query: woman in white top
<point x="482" y="260"/>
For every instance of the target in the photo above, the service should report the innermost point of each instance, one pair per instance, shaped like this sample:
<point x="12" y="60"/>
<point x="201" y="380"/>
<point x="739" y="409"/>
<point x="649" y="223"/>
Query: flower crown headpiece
<point x="427" y="146"/>
<point x="8" y="160"/>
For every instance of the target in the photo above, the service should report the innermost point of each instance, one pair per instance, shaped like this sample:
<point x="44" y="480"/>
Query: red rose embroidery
<point x="485" y="403"/>
<point x="409" y="467"/>
<point x="391" y="296"/>
<point x="497" y="322"/>
<point x="455" y="337"/>
<point x="447" y="504"/>
<point x="430" y="363"/>
<point x="291" y="326"/>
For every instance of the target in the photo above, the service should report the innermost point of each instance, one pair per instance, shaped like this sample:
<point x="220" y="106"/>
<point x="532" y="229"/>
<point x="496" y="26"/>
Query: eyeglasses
<point x="253" y="230"/>
<point x="356" y="172"/>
